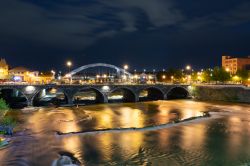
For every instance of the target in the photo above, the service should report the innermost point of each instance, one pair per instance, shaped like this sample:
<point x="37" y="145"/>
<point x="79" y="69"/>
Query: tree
<point x="206" y="75"/>
<point x="194" y="76"/>
<point x="220" y="74"/>
<point x="243" y="74"/>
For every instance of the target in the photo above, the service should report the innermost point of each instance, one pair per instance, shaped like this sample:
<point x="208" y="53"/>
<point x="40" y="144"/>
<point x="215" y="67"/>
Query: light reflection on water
<point x="223" y="141"/>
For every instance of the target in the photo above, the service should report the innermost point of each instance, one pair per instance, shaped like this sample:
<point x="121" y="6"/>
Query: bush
<point x="3" y="105"/>
<point x="3" y="108"/>
<point x="8" y="121"/>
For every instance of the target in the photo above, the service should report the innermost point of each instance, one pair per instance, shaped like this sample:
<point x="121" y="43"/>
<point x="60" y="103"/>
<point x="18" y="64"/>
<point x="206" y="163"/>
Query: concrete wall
<point x="222" y="93"/>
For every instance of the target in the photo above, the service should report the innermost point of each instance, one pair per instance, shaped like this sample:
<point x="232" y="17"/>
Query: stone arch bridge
<point x="131" y="93"/>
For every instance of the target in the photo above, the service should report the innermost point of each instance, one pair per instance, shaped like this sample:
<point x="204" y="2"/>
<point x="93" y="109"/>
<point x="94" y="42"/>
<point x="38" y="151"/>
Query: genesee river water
<point x="127" y="134"/>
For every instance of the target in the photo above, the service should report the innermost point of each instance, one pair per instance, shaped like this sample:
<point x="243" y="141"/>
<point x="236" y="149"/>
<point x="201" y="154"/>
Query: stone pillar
<point x="69" y="93"/>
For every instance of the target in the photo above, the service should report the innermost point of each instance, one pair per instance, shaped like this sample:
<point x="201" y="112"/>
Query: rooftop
<point x="19" y="69"/>
<point x="3" y="62"/>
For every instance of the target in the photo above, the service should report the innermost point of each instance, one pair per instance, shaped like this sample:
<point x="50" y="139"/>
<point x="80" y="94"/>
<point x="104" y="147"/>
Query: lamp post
<point x="188" y="68"/>
<point x="125" y="67"/>
<point x="69" y="64"/>
<point x="53" y="73"/>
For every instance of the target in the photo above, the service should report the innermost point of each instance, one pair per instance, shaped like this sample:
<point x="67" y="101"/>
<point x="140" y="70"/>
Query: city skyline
<point x="123" y="32"/>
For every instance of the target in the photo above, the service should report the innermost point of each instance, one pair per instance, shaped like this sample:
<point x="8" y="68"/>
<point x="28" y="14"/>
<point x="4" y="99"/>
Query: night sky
<point x="42" y="35"/>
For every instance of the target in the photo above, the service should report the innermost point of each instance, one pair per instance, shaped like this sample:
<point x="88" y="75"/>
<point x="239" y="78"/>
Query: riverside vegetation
<point x="6" y="122"/>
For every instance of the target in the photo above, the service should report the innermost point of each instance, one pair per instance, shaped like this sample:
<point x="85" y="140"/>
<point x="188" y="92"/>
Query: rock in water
<point x="62" y="161"/>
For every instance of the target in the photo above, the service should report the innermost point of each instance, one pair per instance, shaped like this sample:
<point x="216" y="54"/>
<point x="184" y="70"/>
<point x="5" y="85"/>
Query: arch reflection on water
<point x="121" y="95"/>
<point x="151" y="94"/>
<point x="50" y="96"/>
<point x="88" y="96"/>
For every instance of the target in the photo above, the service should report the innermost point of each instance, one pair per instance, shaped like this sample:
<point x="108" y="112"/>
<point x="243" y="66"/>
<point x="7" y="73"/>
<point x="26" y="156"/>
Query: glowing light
<point x="68" y="75"/>
<point x="188" y="67"/>
<point x="53" y="91"/>
<point x="17" y="78"/>
<point x="30" y="89"/>
<point x="172" y="77"/>
<point x="69" y="63"/>
<point x="31" y="75"/>
<point x="163" y="77"/>
<point x="125" y="67"/>
<point x="227" y="69"/>
<point x="97" y="76"/>
<point x="236" y="78"/>
<point x="104" y="76"/>
<point x="106" y="88"/>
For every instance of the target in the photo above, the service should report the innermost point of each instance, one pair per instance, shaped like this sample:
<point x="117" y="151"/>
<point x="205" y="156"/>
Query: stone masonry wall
<point x="222" y="93"/>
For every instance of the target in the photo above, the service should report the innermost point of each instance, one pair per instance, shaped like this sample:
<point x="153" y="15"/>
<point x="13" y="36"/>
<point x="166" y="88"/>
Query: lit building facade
<point x="4" y="69"/>
<point x="233" y="64"/>
<point x="22" y="74"/>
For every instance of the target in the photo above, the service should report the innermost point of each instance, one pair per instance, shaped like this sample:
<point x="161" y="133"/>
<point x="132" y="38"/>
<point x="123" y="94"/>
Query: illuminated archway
<point x="88" y="96"/>
<point x="151" y="94"/>
<point x="118" y="69"/>
<point x="122" y="95"/>
<point x="50" y="96"/>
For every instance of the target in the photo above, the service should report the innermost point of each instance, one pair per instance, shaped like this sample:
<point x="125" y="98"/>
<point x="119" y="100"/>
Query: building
<point x="44" y="78"/>
<point x="4" y="69"/>
<point x="233" y="64"/>
<point x="22" y="74"/>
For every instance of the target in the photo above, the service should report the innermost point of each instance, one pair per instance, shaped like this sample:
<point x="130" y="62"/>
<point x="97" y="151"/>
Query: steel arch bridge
<point x="118" y="69"/>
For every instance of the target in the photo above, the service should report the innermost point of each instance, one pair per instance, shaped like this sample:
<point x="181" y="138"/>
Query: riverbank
<point x="230" y="93"/>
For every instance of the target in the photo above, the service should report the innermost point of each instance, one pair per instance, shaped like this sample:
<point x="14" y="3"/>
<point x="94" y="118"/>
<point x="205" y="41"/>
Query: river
<point x="146" y="133"/>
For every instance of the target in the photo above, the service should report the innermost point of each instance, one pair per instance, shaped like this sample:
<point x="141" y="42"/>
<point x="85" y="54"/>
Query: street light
<point x="125" y="67"/>
<point x="54" y="73"/>
<point x="104" y="76"/>
<point x="69" y="64"/>
<point x="188" y="67"/>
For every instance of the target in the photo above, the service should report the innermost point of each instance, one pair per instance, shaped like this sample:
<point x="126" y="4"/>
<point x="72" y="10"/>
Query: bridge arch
<point x="123" y="94"/>
<point x="177" y="92"/>
<point x="118" y="69"/>
<point x="14" y="97"/>
<point x="89" y="95"/>
<point x="50" y="95"/>
<point x="151" y="94"/>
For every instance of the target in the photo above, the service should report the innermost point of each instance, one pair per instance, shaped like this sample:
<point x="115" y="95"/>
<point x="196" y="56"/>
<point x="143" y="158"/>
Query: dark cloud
<point x="74" y="27"/>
